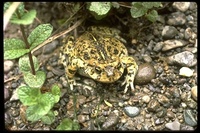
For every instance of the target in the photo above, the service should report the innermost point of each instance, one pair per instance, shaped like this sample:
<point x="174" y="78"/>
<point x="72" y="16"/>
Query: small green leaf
<point x="99" y="9"/>
<point x="28" y="96"/>
<point x="13" y="54"/>
<point x="68" y="124"/>
<point x="14" y="48"/>
<point x="31" y="115"/>
<point x="45" y="103"/>
<point x="35" y="81"/>
<point x="13" y="43"/>
<point x="24" y="64"/>
<point x="49" y="118"/>
<point x="148" y="5"/>
<point x="137" y="10"/>
<point x="152" y="15"/>
<point x="115" y="4"/>
<point x="39" y="35"/>
<point x="55" y="90"/>
<point x="26" y="19"/>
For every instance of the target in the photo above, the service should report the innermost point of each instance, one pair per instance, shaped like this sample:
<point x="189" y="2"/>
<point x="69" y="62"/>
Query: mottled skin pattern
<point x="98" y="54"/>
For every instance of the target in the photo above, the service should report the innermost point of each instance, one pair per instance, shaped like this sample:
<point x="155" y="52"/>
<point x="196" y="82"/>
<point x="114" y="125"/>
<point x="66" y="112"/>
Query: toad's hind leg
<point x="132" y="68"/>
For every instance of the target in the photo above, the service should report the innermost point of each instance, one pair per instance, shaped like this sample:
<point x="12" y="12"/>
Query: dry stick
<point x="59" y="34"/>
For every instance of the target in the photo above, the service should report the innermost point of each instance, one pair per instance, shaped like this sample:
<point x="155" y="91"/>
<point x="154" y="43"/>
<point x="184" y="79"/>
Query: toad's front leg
<point x="71" y="70"/>
<point x="132" y="68"/>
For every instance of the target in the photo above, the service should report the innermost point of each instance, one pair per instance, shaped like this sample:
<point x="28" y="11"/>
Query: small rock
<point x="50" y="47"/>
<point x="131" y="111"/>
<point x="191" y="103"/>
<point x="186" y="72"/>
<point x="161" y="112"/>
<point x="185" y="58"/>
<point x="172" y="44"/>
<point x="176" y="18"/>
<point x="169" y="32"/>
<point x="8" y="65"/>
<point x="176" y="102"/>
<point x="182" y="6"/>
<point x="189" y="34"/>
<point x="186" y="127"/>
<point x="147" y="58"/>
<point x="6" y="94"/>
<point x="146" y="99"/>
<point x="146" y="72"/>
<point x="170" y="114"/>
<point x="81" y="99"/>
<point x="14" y="95"/>
<point x="153" y="105"/>
<point x="159" y="121"/>
<point x="194" y="92"/>
<point x="158" y="46"/>
<point x="111" y="121"/>
<point x="83" y="118"/>
<point x="189" y="118"/>
<point x="50" y="75"/>
<point x="163" y="99"/>
<point x="173" y="125"/>
<point x="190" y="49"/>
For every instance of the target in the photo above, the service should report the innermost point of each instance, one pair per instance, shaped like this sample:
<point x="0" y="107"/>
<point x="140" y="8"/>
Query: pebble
<point x="159" y="121"/>
<point x="189" y="118"/>
<point x="186" y="72"/>
<point x="147" y="58"/>
<point x="182" y="6"/>
<point x="131" y="111"/>
<point x="50" y="75"/>
<point x="146" y="99"/>
<point x="169" y="32"/>
<point x="14" y="95"/>
<point x="8" y="65"/>
<point x="8" y="119"/>
<point x="153" y="105"/>
<point x="50" y="47"/>
<point x="146" y="72"/>
<point x="186" y="127"/>
<point x="163" y="99"/>
<point x="194" y="92"/>
<point x="191" y="103"/>
<point x="176" y="18"/>
<point x="6" y="94"/>
<point x="190" y="49"/>
<point x="161" y="112"/>
<point x="83" y="118"/>
<point x="172" y="44"/>
<point x="175" y="125"/>
<point x="176" y="102"/>
<point x="158" y="46"/>
<point x="111" y="121"/>
<point x="189" y="34"/>
<point x="170" y="114"/>
<point x="185" y="58"/>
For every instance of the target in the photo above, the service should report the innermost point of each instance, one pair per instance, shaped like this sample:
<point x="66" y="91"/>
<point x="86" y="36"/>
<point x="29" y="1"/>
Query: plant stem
<point x="27" y="44"/>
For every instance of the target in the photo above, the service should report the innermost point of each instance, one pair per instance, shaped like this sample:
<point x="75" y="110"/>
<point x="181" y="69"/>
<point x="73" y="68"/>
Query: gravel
<point x="165" y="95"/>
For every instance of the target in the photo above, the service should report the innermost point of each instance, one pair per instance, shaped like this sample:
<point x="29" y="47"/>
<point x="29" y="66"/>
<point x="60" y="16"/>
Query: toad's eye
<point x="98" y="70"/>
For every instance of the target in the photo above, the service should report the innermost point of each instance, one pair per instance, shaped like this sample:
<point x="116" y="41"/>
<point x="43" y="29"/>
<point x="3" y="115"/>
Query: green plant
<point x="138" y="9"/>
<point x="68" y="124"/>
<point x="39" y="105"/>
